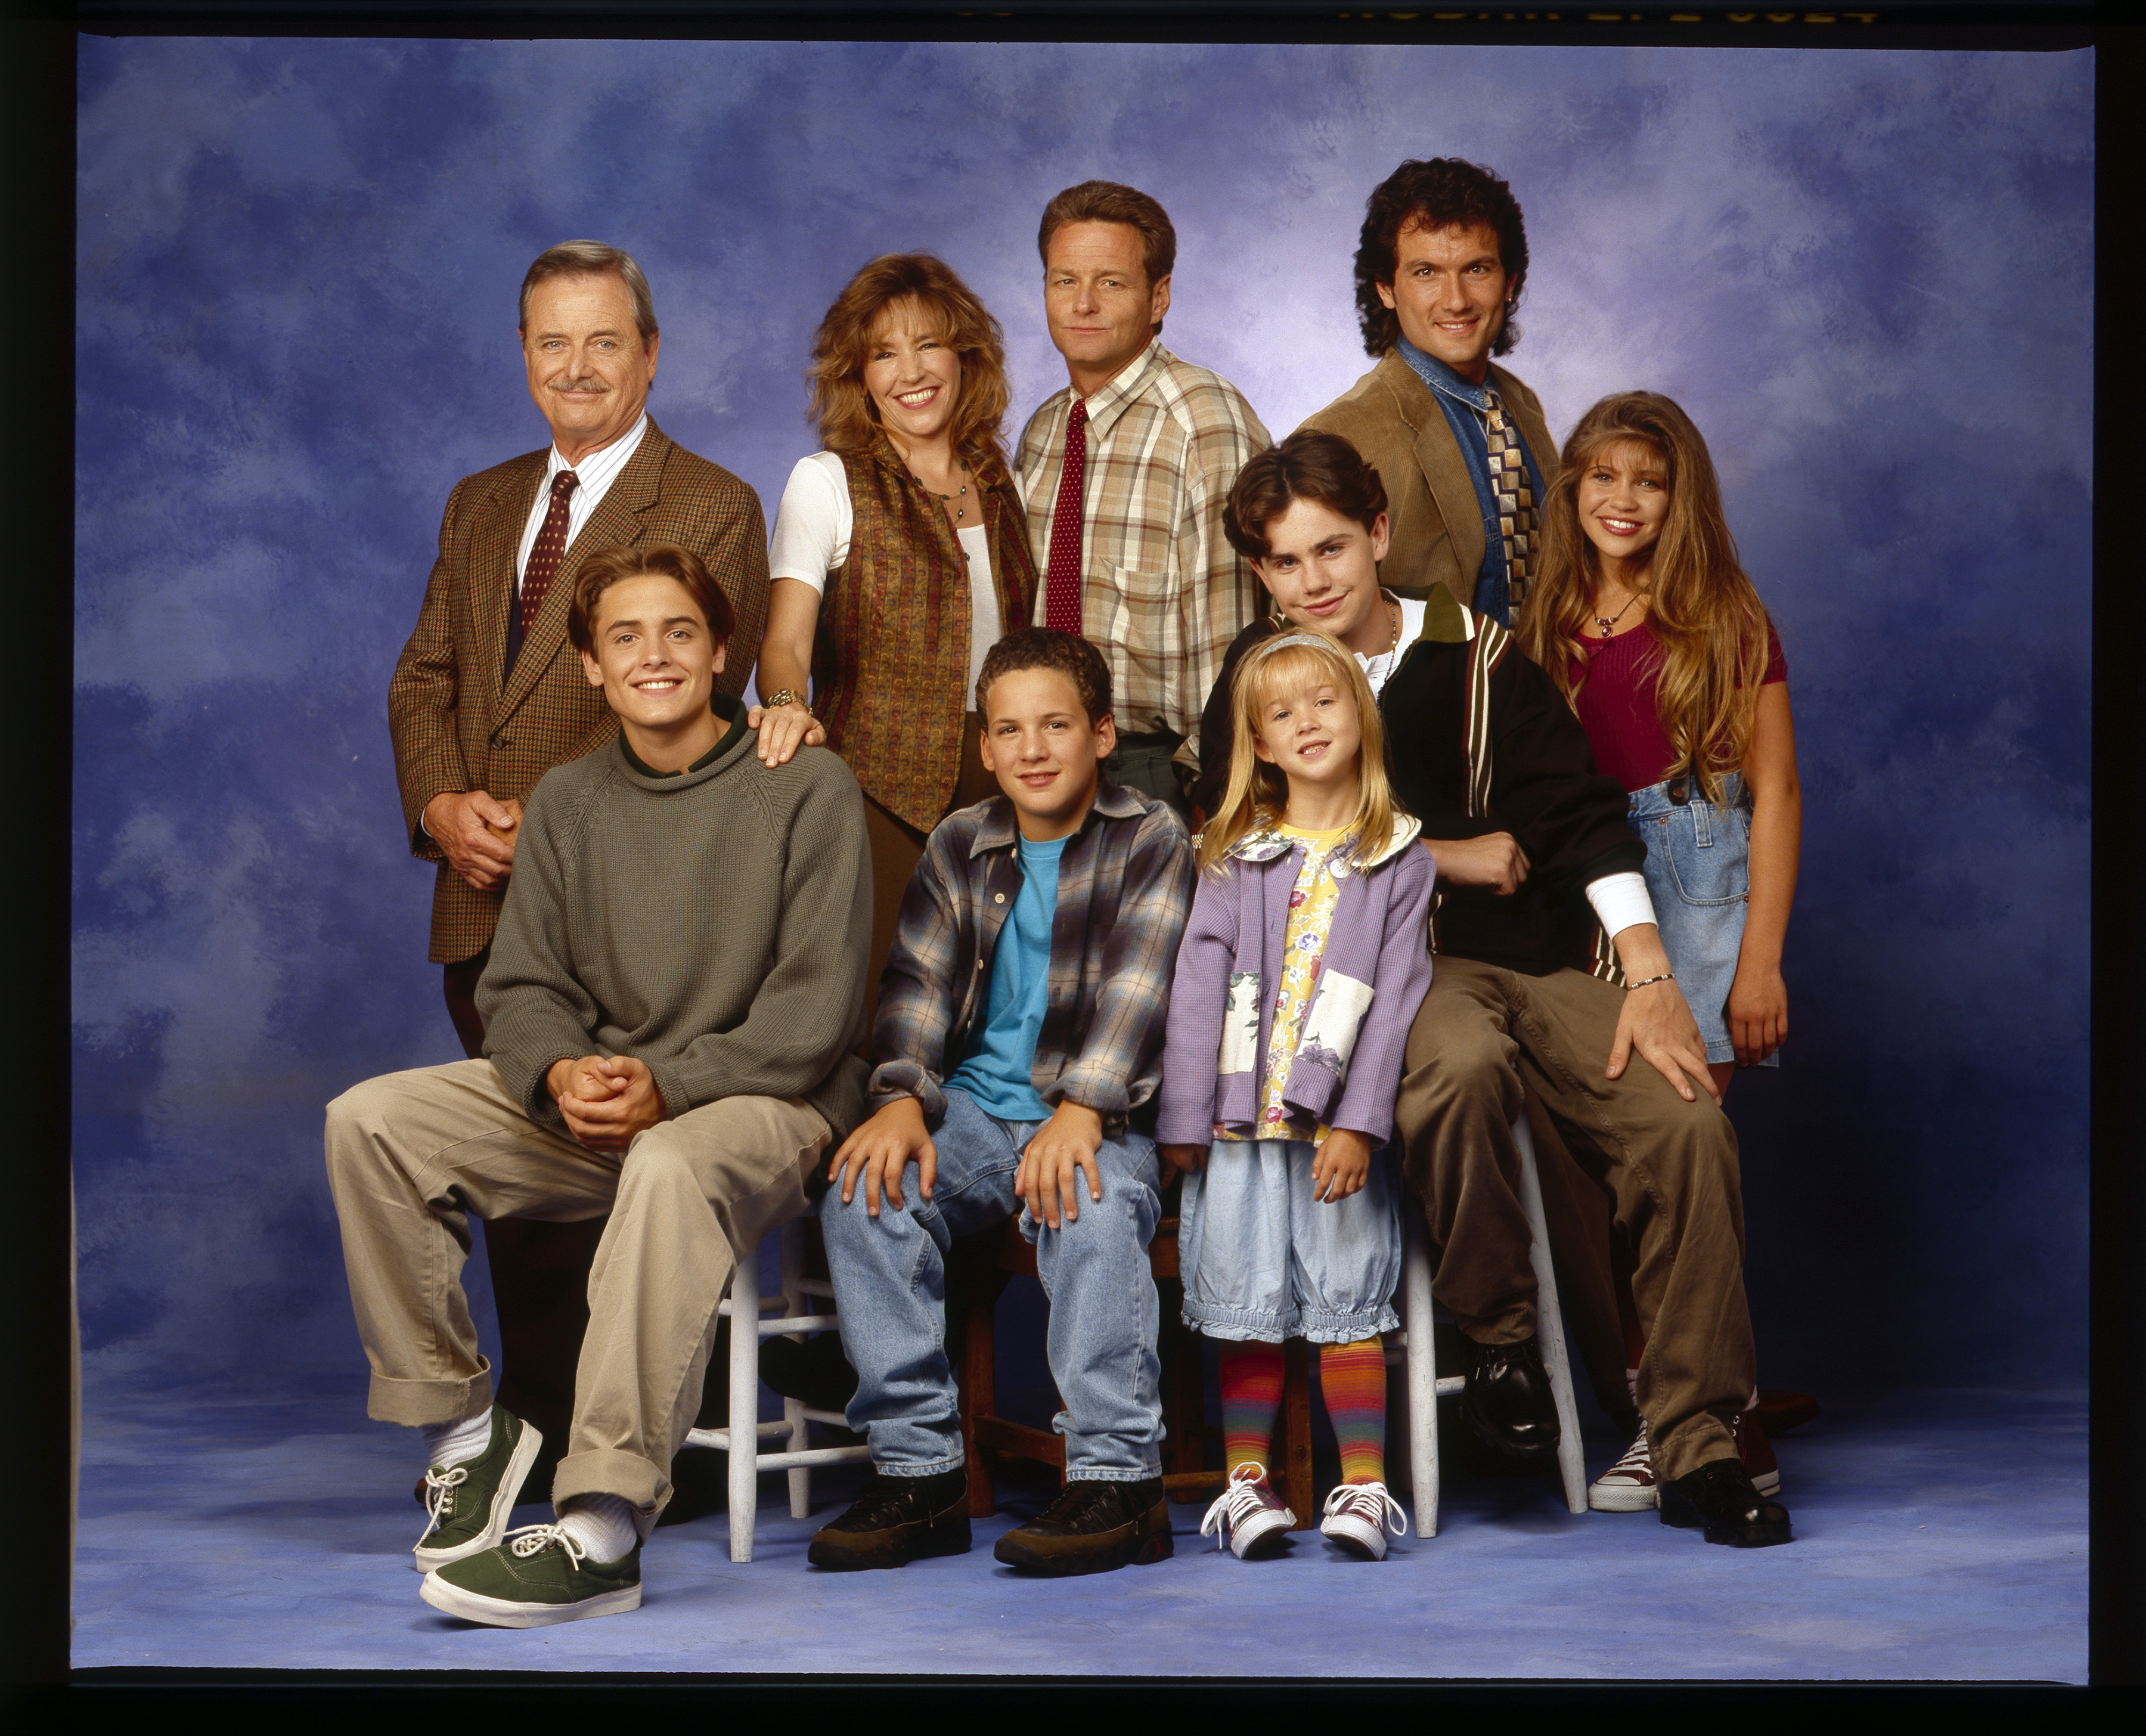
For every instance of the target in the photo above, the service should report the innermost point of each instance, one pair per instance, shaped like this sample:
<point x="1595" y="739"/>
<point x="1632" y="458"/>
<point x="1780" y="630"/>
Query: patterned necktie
<point x="1516" y="504"/>
<point x="1061" y="576"/>
<point x="550" y="549"/>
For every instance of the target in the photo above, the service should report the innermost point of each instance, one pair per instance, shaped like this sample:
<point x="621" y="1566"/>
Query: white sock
<point x="602" y="1525"/>
<point x="450" y="1444"/>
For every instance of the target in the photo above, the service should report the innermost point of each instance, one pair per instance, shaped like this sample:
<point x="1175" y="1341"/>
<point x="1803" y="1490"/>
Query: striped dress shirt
<point x="1162" y="593"/>
<point x="593" y="477"/>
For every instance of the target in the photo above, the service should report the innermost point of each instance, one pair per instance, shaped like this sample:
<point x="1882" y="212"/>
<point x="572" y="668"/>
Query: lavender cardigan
<point x="1373" y="976"/>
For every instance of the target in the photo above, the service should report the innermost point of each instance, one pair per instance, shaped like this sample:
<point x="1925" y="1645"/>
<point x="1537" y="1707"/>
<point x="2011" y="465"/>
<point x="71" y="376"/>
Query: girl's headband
<point x="1289" y="639"/>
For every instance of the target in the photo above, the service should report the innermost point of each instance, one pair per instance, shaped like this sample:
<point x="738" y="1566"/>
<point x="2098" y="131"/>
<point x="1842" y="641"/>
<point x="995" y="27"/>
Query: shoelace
<point x="527" y="1540"/>
<point x="440" y="1495"/>
<point x="1638" y="1462"/>
<point x="1231" y="1508"/>
<point x="1370" y="1501"/>
<point x="1074" y="1502"/>
<point x="880" y="1502"/>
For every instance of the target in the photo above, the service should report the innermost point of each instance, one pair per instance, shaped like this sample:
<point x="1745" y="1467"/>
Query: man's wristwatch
<point x="781" y="696"/>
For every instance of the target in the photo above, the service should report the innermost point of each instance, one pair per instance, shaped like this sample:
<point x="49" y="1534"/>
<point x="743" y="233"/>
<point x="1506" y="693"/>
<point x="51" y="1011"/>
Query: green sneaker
<point x="540" y="1575"/>
<point x="469" y="1502"/>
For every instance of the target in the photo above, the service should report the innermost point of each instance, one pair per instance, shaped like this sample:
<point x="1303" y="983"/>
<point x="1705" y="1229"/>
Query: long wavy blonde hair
<point x="1702" y="606"/>
<point x="849" y="421"/>
<point x="1258" y="793"/>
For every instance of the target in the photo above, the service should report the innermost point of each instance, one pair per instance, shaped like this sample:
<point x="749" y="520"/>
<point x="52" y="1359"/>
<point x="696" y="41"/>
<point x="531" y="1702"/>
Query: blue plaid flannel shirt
<point x="1124" y="890"/>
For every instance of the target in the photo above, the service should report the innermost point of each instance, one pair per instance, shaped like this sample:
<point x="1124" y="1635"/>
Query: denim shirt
<point x="1465" y="408"/>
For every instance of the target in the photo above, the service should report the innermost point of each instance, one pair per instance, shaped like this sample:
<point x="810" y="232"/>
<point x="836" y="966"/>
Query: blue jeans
<point x="890" y="1279"/>
<point x="1698" y="874"/>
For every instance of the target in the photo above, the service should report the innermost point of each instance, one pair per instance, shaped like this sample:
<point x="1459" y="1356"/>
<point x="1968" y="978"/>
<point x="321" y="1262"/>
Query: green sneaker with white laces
<point x="540" y="1575"/>
<point x="468" y="1505"/>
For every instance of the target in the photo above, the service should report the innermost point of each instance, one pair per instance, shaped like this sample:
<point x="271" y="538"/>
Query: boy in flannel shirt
<point x="1019" y="1032"/>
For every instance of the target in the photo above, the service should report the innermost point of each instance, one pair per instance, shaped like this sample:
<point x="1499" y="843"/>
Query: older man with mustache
<point x="489" y="695"/>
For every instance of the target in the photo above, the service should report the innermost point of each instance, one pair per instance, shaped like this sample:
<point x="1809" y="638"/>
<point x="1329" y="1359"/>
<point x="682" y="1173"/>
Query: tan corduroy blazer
<point x="456" y="726"/>
<point x="1391" y="419"/>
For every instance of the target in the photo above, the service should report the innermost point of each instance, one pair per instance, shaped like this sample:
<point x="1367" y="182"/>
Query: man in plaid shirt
<point x="1019" y="1032"/>
<point x="1124" y="474"/>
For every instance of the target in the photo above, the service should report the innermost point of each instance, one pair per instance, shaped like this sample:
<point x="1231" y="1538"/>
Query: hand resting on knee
<point x="880" y="1149"/>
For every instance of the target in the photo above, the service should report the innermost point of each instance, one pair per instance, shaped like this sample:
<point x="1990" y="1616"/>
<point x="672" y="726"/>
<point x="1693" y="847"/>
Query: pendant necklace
<point x="1606" y="622"/>
<point x="958" y="511"/>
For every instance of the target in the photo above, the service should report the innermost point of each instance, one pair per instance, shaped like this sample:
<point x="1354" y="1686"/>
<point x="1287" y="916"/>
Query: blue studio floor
<point x="1939" y="1535"/>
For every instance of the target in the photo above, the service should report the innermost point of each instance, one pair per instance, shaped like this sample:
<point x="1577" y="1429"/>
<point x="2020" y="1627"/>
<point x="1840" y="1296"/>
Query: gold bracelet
<point x="781" y="696"/>
<point x="1648" y="982"/>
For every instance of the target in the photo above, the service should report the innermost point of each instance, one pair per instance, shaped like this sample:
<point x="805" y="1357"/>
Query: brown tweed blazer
<point x="458" y="726"/>
<point x="1391" y="419"/>
<point x="890" y="667"/>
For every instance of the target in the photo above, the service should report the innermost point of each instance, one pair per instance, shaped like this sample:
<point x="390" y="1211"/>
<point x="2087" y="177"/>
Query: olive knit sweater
<point x="712" y="924"/>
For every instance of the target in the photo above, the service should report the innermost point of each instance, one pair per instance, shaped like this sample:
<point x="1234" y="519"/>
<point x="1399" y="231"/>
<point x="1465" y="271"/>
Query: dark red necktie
<point x="550" y="549"/>
<point x="1061" y="576"/>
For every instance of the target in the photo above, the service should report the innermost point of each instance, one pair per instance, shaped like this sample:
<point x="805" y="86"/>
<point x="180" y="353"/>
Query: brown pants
<point x="409" y="1155"/>
<point x="897" y="847"/>
<point x="1484" y="1038"/>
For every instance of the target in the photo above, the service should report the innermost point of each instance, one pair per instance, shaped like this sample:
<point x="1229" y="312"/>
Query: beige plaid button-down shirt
<point x="1162" y="593"/>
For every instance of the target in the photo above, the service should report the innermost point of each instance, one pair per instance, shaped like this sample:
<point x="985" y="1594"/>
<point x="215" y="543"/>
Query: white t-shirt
<point x="811" y="540"/>
<point x="1378" y="668"/>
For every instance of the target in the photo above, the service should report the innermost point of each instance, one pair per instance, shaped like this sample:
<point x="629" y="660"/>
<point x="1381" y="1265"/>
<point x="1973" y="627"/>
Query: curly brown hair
<point x="1434" y="195"/>
<point x="1050" y="648"/>
<point x="849" y="421"/>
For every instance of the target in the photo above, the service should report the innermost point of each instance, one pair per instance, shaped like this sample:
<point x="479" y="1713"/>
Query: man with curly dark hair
<point x="1460" y="445"/>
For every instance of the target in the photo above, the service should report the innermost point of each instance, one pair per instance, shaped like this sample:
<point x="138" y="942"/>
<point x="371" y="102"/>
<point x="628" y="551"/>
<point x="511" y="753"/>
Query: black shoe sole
<point x="1491" y="1438"/>
<point x="1141" y="1549"/>
<point x="911" y="1543"/>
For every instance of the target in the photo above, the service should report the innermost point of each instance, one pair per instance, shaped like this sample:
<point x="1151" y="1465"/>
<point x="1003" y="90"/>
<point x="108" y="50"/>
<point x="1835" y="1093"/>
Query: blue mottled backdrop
<point x="1868" y="276"/>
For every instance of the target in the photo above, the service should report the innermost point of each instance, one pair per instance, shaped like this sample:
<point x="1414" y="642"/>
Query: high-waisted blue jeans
<point x="890" y="1279"/>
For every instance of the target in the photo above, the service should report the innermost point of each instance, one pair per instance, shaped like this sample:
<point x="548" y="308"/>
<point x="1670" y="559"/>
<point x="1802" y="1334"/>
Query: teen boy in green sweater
<point x="672" y="999"/>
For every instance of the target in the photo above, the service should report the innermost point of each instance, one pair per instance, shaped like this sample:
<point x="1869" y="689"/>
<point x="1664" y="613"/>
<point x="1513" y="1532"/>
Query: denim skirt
<point x="1698" y="874"/>
<point x="1262" y="1259"/>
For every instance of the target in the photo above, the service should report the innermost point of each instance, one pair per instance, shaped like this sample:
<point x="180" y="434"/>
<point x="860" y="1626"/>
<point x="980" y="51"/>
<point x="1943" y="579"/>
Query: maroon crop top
<point x="1616" y="704"/>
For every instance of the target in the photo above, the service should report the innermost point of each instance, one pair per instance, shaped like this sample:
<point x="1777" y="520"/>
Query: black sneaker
<point x="898" y="1520"/>
<point x="1092" y="1528"/>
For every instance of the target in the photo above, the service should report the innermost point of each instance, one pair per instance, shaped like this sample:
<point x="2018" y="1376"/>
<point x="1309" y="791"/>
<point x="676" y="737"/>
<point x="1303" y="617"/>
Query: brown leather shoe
<point x="1092" y="1528"/>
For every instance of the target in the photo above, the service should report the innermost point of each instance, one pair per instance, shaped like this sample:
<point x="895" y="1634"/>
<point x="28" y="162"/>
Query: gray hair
<point x="580" y="258"/>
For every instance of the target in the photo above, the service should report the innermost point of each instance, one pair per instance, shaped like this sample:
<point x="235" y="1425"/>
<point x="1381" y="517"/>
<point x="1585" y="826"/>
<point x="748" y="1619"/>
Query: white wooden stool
<point x="795" y="1319"/>
<point x="1424" y="1388"/>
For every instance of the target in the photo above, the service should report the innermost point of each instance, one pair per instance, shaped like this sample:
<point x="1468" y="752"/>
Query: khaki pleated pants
<point x="411" y="1155"/>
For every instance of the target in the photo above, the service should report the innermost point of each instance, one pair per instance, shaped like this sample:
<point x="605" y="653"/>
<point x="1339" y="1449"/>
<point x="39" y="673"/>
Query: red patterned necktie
<point x="550" y="549"/>
<point x="1061" y="576"/>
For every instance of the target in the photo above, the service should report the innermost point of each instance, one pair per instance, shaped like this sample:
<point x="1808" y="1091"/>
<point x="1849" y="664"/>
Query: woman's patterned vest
<point x="890" y="666"/>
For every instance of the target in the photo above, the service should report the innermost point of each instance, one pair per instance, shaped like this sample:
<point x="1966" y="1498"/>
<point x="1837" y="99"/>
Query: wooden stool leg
<point x="978" y="1301"/>
<point x="1298" y="1490"/>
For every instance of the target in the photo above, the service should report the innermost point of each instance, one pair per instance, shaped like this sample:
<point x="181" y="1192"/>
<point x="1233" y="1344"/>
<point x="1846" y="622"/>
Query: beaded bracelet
<point x="1666" y="976"/>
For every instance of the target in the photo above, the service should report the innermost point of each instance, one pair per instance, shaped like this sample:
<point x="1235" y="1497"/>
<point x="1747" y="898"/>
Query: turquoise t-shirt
<point x="995" y="1071"/>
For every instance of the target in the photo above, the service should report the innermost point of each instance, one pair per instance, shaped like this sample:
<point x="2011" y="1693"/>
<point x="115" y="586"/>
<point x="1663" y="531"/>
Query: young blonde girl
<point x="1303" y="963"/>
<point x="1645" y="619"/>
